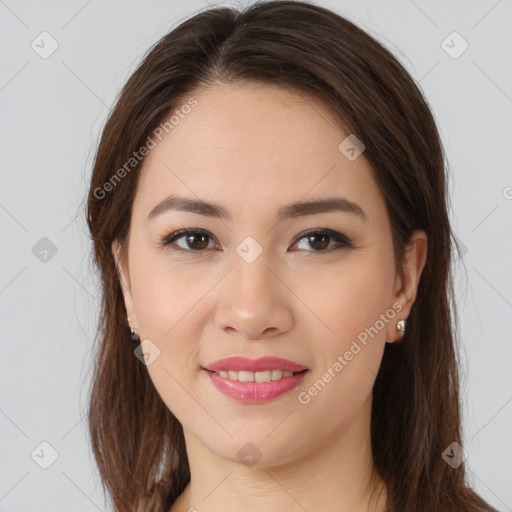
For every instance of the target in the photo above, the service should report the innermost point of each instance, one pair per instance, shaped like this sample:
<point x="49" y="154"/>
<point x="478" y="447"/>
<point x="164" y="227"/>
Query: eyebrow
<point x="298" y="209"/>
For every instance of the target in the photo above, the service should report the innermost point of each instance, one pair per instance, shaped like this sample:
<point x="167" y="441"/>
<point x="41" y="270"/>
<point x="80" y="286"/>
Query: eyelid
<point x="168" y="240"/>
<point x="335" y="235"/>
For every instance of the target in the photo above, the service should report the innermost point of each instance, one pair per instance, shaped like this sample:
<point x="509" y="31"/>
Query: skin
<point x="254" y="148"/>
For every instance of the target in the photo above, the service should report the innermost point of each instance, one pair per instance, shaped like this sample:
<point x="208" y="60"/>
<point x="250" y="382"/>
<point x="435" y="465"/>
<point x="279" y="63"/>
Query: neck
<point x="335" y="475"/>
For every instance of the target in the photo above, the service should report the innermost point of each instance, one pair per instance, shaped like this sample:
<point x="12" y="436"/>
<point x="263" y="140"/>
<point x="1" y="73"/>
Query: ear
<point x="124" y="278"/>
<point x="406" y="289"/>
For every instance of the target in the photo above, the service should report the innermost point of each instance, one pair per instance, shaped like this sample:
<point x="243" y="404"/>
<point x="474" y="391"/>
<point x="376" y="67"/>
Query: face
<point x="317" y="288"/>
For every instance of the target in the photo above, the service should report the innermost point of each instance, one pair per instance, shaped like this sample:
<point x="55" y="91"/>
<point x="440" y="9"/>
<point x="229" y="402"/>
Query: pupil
<point x="200" y="246"/>
<point x="322" y="245"/>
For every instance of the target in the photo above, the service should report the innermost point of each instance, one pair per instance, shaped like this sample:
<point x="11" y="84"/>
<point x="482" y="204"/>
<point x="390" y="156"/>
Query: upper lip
<point x="254" y="365"/>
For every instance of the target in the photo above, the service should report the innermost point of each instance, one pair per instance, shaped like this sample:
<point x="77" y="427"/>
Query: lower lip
<point x="255" y="392"/>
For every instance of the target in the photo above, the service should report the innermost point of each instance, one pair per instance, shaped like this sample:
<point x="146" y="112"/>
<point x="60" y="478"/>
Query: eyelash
<point x="342" y="240"/>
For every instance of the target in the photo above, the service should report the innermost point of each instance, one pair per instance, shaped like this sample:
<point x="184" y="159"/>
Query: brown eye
<point x="195" y="240"/>
<point x="319" y="240"/>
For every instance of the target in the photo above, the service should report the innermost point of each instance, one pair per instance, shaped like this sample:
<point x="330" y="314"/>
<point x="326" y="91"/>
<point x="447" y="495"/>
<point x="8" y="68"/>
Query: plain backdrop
<point x="52" y="110"/>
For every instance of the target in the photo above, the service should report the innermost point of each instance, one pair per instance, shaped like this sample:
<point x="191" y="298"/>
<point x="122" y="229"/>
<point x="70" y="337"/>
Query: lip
<point x="240" y="363"/>
<point x="255" y="392"/>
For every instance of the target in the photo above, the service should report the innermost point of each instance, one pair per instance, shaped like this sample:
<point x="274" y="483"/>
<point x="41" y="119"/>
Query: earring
<point x="401" y="325"/>
<point x="133" y="332"/>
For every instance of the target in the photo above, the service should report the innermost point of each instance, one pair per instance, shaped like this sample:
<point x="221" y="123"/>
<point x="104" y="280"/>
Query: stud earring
<point x="133" y="332"/>
<point x="401" y="325"/>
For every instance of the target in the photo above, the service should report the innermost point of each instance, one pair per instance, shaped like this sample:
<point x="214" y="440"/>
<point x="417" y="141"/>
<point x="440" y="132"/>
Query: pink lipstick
<point x="255" y="381"/>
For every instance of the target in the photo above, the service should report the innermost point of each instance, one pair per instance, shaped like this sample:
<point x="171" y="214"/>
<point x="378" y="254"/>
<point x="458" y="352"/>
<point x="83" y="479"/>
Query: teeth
<point x="246" y="376"/>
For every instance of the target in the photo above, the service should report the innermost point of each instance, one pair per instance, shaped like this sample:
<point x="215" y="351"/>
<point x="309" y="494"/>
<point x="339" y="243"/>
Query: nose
<point x="254" y="301"/>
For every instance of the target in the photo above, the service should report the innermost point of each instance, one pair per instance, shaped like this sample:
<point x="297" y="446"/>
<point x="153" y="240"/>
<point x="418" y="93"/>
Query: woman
<point x="269" y="217"/>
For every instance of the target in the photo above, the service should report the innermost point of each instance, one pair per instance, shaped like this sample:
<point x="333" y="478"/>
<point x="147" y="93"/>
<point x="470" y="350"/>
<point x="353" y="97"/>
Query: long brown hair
<point x="136" y="440"/>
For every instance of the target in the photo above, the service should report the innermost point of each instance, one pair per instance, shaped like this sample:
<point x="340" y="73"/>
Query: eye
<point x="193" y="238"/>
<point x="320" y="239"/>
<point x="196" y="240"/>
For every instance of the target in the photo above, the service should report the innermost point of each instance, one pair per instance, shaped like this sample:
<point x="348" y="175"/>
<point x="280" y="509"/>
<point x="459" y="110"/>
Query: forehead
<point x="250" y="145"/>
<point x="254" y="120"/>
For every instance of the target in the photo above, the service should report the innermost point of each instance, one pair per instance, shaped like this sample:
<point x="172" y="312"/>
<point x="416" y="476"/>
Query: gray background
<point x="52" y="111"/>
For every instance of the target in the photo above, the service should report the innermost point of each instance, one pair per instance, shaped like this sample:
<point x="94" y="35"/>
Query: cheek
<point x="168" y="305"/>
<point x="350" y="340"/>
<point x="349" y="352"/>
<point x="165" y="298"/>
<point x="350" y="299"/>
